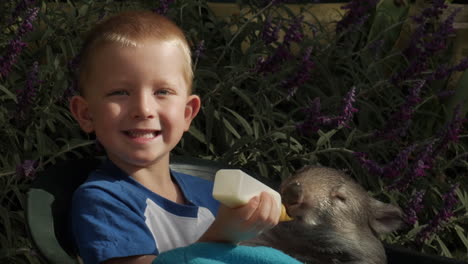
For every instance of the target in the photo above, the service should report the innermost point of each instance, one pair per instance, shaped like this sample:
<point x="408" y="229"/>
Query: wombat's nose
<point x="292" y="193"/>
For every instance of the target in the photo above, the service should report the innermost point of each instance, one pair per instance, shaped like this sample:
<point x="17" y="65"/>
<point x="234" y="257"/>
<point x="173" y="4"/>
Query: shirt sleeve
<point x="105" y="226"/>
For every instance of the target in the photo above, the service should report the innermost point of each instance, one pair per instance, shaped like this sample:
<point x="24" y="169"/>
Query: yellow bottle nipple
<point x="284" y="215"/>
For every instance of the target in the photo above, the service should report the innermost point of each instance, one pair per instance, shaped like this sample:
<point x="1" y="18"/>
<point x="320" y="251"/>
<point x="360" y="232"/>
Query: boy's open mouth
<point x="139" y="133"/>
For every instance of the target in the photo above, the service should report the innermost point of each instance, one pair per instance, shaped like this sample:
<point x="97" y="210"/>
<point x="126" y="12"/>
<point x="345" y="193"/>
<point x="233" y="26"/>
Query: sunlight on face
<point x="138" y="101"/>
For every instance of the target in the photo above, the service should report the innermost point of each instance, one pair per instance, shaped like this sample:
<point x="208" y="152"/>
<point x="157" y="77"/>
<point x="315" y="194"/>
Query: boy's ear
<point x="80" y="111"/>
<point x="191" y="109"/>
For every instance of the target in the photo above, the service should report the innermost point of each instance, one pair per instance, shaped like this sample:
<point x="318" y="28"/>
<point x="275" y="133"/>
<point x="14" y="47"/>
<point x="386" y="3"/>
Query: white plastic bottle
<point x="234" y="188"/>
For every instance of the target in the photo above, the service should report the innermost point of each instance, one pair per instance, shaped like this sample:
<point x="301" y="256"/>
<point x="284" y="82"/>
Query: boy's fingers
<point x="264" y="216"/>
<point x="274" y="210"/>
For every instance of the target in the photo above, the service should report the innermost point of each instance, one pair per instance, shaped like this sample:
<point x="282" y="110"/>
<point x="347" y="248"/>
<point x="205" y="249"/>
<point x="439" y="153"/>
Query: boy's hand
<point x="236" y="224"/>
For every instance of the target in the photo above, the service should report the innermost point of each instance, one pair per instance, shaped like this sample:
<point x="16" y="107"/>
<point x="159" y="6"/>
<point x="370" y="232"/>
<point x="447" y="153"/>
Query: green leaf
<point x="8" y="93"/>
<point x="228" y="125"/>
<point x="461" y="234"/>
<point x="244" y="96"/>
<point x="245" y="124"/>
<point x="325" y="137"/>
<point x="209" y="114"/>
<point x="83" y="10"/>
<point x="460" y="97"/>
<point x="350" y="138"/>
<point x="197" y="134"/>
<point x="443" y="247"/>
<point x="6" y="223"/>
<point x="387" y="21"/>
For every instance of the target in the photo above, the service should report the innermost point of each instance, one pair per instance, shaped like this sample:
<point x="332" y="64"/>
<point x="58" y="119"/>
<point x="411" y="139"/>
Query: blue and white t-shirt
<point x="115" y="216"/>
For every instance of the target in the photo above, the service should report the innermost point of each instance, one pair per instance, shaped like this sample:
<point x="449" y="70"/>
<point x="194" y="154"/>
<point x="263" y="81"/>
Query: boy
<point x="135" y="82"/>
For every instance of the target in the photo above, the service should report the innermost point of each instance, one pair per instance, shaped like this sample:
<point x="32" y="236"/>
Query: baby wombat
<point x="335" y="220"/>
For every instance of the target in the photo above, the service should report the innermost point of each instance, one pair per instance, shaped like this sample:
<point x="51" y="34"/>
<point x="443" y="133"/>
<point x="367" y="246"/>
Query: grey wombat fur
<point x="335" y="220"/>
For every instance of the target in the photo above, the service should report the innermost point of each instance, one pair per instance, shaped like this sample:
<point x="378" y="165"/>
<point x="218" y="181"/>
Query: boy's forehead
<point x="94" y="68"/>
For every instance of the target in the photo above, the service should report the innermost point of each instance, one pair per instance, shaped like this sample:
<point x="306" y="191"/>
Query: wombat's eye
<point x="338" y="195"/>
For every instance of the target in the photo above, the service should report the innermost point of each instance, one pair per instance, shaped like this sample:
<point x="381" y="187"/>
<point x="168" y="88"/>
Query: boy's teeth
<point x="141" y="134"/>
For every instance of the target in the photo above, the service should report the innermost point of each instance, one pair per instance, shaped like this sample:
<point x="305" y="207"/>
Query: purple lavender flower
<point x="15" y="46"/>
<point x="163" y="7"/>
<point x="26" y="96"/>
<point x="444" y="215"/>
<point x="314" y="119"/>
<point x="392" y="169"/>
<point x="272" y="63"/>
<point x="357" y="14"/>
<point x="444" y="71"/>
<point x="27" y="26"/>
<point x="199" y="49"/>
<point x="399" y="122"/>
<point x="282" y="53"/>
<point x="293" y="33"/>
<point x="444" y="94"/>
<point x="72" y="88"/>
<point x="26" y="170"/>
<point x="348" y="110"/>
<point x="414" y="207"/>
<point x="270" y="32"/>
<point x="398" y="165"/>
<point x="427" y="155"/>
<point x="371" y="166"/>
<point x="20" y="7"/>
<point x="301" y="76"/>
<point x="423" y="162"/>
<point x="310" y="125"/>
<point x="452" y="130"/>
<point x="7" y="61"/>
<point x="71" y="91"/>
<point x="434" y="11"/>
<point x="426" y="40"/>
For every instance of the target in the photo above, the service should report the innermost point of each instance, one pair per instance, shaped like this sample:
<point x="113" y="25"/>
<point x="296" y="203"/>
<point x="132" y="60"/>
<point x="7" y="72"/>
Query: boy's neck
<point x="157" y="178"/>
<point x="160" y="183"/>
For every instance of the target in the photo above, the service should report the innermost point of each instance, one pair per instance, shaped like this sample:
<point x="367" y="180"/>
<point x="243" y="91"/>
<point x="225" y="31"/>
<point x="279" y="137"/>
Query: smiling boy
<point x="135" y="82"/>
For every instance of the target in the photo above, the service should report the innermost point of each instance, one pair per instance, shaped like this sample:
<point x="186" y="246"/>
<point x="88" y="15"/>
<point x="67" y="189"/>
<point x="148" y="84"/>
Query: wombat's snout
<point x="292" y="195"/>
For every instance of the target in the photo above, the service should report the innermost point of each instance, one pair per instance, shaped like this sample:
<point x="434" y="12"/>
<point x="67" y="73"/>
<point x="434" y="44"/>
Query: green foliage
<point x="249" y="118"/>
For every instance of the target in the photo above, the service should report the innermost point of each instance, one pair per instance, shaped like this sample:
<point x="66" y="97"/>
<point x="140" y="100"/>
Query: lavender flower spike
<point x="26" y="170"/>
<point x="20" y="7"/>
<point x="414" y="207"/>
<point x="314" y="120"/>
<point x="357" y="14"/>
<point x="293" y="33"/>
<point x="163" y="7"/>
<point x="7" y="61"/>
<point x="444" y="215"/>
<point x="15" y="46"/>
<point x="269" y="32"/>
<point x="368" y="164"/>
<point x="301" y="76"/>
<point x="348" y="109"/>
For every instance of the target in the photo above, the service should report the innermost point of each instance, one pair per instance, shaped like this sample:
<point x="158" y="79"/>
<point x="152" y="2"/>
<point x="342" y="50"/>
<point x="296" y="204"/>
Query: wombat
<point x="335" y="220"/>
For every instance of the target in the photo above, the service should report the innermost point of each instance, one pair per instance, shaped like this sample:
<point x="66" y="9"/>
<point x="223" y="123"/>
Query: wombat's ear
<point x="385" y="217"/>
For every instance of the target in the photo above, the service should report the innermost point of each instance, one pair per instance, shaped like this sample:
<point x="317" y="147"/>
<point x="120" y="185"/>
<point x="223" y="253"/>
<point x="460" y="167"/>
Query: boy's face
<point x="136" y="101"/>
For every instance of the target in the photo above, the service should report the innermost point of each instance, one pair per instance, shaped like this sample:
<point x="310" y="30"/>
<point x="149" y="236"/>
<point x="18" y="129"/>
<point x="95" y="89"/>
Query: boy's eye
<point x="162" y="92"/>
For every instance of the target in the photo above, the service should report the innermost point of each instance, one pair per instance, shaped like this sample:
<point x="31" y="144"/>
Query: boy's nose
<point x="143" y="108"/>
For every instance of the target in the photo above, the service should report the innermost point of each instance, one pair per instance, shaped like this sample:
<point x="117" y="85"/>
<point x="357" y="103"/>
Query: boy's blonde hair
<point x="130" y="29"/>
